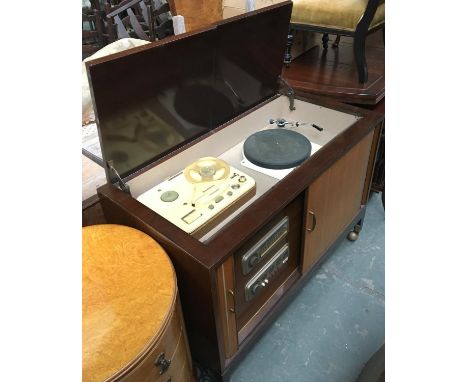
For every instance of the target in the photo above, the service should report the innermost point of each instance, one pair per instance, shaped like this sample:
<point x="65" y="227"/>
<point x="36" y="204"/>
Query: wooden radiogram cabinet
<point x="235" y="279"/>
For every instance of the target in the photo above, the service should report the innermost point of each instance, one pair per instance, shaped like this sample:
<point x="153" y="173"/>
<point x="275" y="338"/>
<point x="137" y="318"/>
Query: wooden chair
<point x="162" y="25"/>
<point x="354" y="18"/>
<point x="127" y="19"/>
<point x="93" y="33"/>
<point x="137" y="19"/>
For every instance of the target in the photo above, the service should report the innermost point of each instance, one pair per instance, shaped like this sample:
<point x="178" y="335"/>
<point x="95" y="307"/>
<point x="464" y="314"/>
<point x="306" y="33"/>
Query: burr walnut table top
<point x="129" y="290"/>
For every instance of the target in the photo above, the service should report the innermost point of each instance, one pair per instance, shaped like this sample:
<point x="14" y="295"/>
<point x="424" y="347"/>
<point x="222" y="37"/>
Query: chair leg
<point x="360" y="56"/>
<point x="287" y="55"/>
<point x="337" y="41"/>
<point x="325" y="41"/>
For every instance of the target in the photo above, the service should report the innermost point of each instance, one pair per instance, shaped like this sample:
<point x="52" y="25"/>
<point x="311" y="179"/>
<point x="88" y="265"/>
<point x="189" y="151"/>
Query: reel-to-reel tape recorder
<point x="196" y="198"/>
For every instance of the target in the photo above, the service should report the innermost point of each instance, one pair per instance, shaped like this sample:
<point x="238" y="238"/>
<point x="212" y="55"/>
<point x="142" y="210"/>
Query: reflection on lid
<point x="136" y="137"/>
<point x="202" y="105"/>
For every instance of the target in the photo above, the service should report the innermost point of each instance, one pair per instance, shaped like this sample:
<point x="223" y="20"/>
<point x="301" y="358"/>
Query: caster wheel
<point x="352" y="236"/>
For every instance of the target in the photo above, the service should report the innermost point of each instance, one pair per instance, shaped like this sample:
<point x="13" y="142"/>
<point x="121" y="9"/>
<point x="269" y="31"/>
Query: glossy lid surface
<point x="153" y="99"/>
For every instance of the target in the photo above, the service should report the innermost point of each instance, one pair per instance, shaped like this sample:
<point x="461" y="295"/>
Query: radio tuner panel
<point x="263" y="247"/>
<point x="261" y="279"/>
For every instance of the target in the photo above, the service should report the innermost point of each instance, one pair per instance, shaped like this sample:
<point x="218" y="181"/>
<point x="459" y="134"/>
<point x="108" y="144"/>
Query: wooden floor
<point x="333" y="72"/>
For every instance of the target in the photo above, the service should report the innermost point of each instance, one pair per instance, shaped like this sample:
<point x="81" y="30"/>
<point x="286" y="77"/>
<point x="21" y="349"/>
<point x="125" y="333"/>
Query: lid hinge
<point x="288" y="91"/>
<point x="122" y="185"/>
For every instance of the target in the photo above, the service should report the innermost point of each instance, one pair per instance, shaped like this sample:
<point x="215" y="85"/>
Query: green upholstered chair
<point x="355" y="18"/>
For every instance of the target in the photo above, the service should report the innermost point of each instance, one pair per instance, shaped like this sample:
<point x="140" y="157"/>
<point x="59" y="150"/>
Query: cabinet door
<point x="226" y="303"/>
<point x="333" y="200"/>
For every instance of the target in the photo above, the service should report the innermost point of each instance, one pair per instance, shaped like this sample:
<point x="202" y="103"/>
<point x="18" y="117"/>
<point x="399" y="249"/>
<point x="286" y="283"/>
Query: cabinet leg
<point x="354" y="234"/>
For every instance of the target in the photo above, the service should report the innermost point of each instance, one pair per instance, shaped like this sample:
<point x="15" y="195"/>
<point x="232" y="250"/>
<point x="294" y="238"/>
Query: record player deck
<point x="196" y="198"/>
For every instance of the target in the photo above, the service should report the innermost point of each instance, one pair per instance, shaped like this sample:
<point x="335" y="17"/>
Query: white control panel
<point x="192" y="206"/>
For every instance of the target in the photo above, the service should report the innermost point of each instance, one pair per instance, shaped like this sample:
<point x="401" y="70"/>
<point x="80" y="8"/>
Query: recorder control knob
<point x="242" y="179"/>
<point x="169" y="196"/>
<point x="235" y="186"/>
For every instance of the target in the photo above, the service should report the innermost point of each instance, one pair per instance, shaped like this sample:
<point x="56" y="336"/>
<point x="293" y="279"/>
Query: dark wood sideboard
<point x="226" y="307"/>
<point x="325" y="198"/>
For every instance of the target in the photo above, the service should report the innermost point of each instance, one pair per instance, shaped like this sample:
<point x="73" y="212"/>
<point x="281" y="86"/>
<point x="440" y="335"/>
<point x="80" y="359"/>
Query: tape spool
<point x="207" y="169"/>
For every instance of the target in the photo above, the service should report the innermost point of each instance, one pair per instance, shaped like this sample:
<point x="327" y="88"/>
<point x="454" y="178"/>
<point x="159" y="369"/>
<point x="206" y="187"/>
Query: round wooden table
<point x="132" y="322"/>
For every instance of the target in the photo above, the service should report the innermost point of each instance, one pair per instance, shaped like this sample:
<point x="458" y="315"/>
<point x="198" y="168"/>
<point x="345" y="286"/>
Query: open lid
<point x="153" y="99"/>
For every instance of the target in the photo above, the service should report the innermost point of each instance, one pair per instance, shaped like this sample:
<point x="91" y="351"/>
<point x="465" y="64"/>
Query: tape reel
<point x="207" y="169"/>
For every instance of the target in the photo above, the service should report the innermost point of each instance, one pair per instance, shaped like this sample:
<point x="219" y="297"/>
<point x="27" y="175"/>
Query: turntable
<point x="197" y="197"/>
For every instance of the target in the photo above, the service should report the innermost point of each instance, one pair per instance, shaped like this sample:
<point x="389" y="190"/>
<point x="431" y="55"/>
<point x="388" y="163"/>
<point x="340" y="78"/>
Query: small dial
<point x="235" y="186"/>
<point x="256" y="288"/>
<point x="253" y="260"/>
<point x="169" y="196"/>
<point x="242" y="179"/>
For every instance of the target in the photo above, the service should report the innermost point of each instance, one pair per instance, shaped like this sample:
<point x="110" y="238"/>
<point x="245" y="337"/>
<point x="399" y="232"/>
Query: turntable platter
<point x="277" y="148"/>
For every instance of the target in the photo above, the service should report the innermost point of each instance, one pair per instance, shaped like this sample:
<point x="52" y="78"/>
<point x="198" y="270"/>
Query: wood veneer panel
<point x="193" y="279"/>
<point x="198" y="14"/>
<point x="334" y="198"/>
<point x="131" y="310"/>
<point x="92" y="213"/>
<point x="225" y="287"/>
<point x="372" y="163"/>
<point x="171" y="344"/>
<point x="174" y="344"/>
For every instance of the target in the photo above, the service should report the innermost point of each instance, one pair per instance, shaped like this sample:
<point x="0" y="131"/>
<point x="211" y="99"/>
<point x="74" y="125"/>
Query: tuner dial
<point x="256" y="288"/>
<point x="253" y="260"/>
